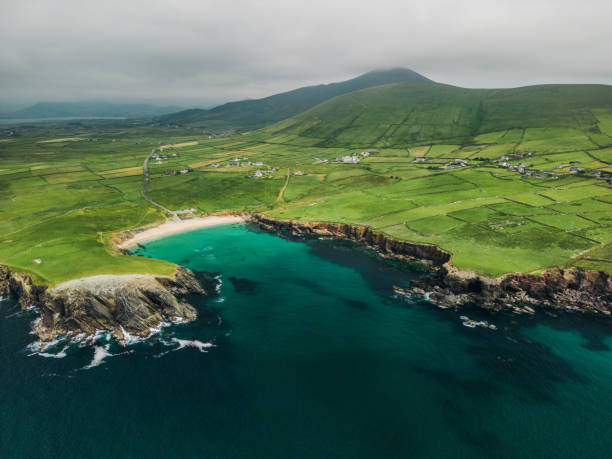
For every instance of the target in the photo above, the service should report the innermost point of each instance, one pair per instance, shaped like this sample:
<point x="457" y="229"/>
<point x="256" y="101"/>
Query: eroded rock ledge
<point x="385" y="246"/>
<point x="573" y="289"/>
<point x="133" y="303"/>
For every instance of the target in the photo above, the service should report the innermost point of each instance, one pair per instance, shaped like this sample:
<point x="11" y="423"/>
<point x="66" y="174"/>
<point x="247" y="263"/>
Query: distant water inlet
<point x="304" y="350"/>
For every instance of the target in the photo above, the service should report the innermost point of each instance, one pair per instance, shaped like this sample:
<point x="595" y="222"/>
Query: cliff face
<point x="385" y="246"/>
<point x="129" y="303"/>
<point x="570" y="289"/>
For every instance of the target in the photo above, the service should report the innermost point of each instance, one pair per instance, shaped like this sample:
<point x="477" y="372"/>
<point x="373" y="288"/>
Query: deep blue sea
<point x="312" y="356"/>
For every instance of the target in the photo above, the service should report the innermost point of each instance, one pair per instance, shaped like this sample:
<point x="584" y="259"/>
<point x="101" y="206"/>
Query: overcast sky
<point x="202" y="52"/>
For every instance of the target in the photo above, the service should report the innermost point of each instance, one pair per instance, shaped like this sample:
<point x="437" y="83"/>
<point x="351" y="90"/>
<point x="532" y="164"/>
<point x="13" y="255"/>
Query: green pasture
<point x="62" y="200"/>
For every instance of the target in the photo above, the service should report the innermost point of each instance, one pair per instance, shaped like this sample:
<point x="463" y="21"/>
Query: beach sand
<point x="177" y="226"/>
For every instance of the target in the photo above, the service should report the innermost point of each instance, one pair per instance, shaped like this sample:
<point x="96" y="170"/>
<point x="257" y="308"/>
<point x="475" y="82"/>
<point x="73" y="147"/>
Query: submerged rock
<point x="133" y="303"/>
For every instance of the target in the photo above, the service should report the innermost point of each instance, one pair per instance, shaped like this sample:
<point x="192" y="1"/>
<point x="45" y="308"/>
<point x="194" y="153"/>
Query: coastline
<point x="556" y="289"/>
<point x="177" y="226"/>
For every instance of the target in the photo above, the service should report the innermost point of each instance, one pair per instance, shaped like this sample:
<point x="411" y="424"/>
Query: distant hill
<point x="409" y="113"/>
<point x="260" y="112"/>
<point x="88" y="109"/>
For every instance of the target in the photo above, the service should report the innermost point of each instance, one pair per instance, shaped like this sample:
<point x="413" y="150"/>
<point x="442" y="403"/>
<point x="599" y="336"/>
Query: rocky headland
<point x="426" y="254"/>
<point x="131" y="304"/>
<point x="572" y="289"/>
<point x="136" y="304"/>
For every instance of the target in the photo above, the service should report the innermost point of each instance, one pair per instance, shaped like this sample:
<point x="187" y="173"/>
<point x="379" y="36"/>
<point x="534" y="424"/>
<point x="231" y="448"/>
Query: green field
<point x="66" y="188"/>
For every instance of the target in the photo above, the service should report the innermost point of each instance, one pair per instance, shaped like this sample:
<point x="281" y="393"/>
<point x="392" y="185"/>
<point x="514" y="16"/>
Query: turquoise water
<point x="312" y="356"/>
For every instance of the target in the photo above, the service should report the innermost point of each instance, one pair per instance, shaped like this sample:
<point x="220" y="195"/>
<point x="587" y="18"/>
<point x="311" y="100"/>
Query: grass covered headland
<point x="506" y="180"/>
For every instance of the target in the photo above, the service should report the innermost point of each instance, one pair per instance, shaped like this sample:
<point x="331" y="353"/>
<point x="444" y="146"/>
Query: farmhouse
<point x="350" y="159"/>
<point x="257" y="174"/>
<point x="298" y="173"/>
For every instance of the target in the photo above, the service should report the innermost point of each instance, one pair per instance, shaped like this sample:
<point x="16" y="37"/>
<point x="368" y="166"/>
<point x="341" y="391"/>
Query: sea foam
<point x="199" y="345"/>
<point x="60" y="355"/>
<point x="100" y="353"/>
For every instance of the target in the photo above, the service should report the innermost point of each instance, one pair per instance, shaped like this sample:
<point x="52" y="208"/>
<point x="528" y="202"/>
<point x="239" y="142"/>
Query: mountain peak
<point x="261" y="112"/>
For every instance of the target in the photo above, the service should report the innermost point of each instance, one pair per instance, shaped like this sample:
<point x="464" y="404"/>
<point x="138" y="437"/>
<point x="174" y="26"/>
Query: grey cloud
<point x="205" y="52"/>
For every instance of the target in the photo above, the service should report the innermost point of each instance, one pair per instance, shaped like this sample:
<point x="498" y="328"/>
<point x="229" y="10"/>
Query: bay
<point x="313" y="355"/>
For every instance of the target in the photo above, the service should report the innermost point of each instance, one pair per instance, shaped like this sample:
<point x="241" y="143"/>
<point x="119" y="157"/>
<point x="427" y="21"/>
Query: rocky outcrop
<point x="24" y="288"/>
<point x="122" y="304"/>
<point x="573" y="289"/>
<point x="5" y="276"/>
<point x="384" y="245"/>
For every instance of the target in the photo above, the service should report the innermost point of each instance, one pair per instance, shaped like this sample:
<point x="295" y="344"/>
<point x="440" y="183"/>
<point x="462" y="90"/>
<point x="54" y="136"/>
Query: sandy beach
<point x="172" y="227"/>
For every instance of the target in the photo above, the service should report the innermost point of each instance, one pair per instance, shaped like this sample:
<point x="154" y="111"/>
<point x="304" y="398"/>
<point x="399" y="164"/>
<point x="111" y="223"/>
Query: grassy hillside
<point x="64" y="189"/>
<point x="88" y="109"/>
<point x="404" y="114"/>
<point x="261" y="112"/>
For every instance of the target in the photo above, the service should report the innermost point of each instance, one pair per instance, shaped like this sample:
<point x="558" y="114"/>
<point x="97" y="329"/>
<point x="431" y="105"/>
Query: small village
<point x="520" y="165"/>
<point x="523" y="168"/>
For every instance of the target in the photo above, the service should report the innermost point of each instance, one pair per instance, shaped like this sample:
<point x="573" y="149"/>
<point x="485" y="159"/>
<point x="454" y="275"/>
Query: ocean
<point x="312" y="355"/>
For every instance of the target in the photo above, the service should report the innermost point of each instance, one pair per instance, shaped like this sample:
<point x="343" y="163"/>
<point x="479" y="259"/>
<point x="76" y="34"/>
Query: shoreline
<point x="572" y="289"/>
<point x="177" y="226"/>
<point x="555" y="290"/>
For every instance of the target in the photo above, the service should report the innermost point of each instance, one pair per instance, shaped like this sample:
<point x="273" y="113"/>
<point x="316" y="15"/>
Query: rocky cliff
<point x="384" y="245"/>
<point x="132" y="304"/>
<point x="573" y="289"/>
<point x="562" y="289"/>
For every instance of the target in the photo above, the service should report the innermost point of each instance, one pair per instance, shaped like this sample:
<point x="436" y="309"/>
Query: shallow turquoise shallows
<point x="313" y="356"/>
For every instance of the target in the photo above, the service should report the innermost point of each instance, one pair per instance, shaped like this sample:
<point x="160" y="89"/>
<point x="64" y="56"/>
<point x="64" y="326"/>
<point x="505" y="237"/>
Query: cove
<point x="312" y="355"/>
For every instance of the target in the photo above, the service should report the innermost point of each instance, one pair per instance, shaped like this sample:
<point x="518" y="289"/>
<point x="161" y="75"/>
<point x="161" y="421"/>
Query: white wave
<point x="81" y="337"/>
<point x="60" y="355"/>
<point x="129" y="339"/>
<point x="199" y="345"/>
<point x="156" y="330"/>
<point x="101" y="335"/>
<point x="219" y="283"/>
<point x="38" y="346"/>
<point x="100" y="353"/>
<point x="219" y="299"/>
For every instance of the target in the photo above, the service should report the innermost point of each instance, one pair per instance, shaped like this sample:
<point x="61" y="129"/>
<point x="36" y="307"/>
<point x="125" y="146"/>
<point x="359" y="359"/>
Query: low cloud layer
<point x="198" y="53"/>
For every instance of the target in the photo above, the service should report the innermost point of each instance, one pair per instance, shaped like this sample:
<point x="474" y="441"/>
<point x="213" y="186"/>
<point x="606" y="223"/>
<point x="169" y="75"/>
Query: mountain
<point x="89" y="109"/>
<point x="409" y="113"/>
<point x="260" y="112"/>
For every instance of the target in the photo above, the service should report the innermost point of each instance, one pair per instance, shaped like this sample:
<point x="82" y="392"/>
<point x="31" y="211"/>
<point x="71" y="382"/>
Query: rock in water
<point x="131" y="303"/>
